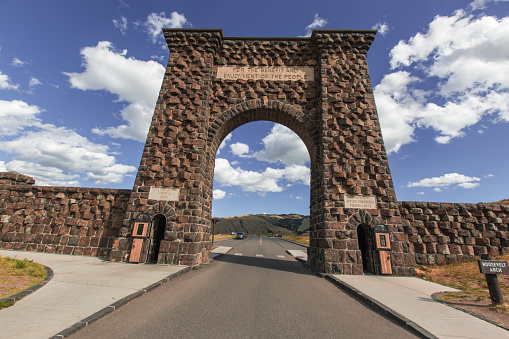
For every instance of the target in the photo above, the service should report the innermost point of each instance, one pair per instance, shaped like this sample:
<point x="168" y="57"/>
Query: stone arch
<point x="362" y="217"/>
<point x="361" y="225"/>
<point x="214" y="84"/>
<point x="280" y="112"/>
<point x="272" y="110"/>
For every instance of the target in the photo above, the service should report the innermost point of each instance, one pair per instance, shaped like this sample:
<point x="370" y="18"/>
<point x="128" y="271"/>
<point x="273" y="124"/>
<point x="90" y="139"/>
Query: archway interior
<point x="365" y="239"/>
<point x="262" y="168"/>
<point x="156" y="235"/>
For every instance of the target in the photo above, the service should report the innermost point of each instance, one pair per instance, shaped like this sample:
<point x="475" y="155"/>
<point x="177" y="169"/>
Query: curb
<point x="436" y="295"/>
<point x="218" y="255"/>
<point x="119" y="303"/>
<point x="380" y="308"/>
<point x="296" y="243"/>
<point x="22" y="294"/>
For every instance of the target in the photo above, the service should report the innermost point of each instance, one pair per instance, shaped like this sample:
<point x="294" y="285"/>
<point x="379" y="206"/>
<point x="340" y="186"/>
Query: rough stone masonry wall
<point x="440" y="233"/>
<point x="354" y="157"/>
<point x="86" y="221"/>
<point x="335" y="115"/>
<point x="68" y="220"/>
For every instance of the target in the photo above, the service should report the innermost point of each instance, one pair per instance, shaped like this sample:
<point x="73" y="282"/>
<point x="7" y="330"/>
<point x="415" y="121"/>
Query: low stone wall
<point x="440" y="233"/>
<point x="88" y="221"/>
<point x="68" y="220"/>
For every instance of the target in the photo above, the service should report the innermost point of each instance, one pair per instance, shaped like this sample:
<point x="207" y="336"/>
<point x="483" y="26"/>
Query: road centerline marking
<point x="238" y="253"/>
<point x="259" y="255"/>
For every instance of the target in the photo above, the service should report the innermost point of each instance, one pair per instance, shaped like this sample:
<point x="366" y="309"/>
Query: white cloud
<point x="224" y="142"/>
<point x="449" y="179"/>
<point x="469" y="185"/>
<point x="5" y="82"/>
<point x="283" y="145"/>
<point x="480" y="4"/>
<point x="63" y="153"/>
<point x="156" y="22"/>
<point x="464" y="61"/>
<point x="133" y="81"/>
<point x="397" y="105"/>
<point x="160" y="58"/>
<point x="44" y="175"/>
<point x="121" y="24"/>
<point x="218" y="194"/>
<point x="249" y="181"/>
<point x="239" y="149"/>
<point x="18" y="63"/>
<point x="298" y="174"/>
<point x="260" y="182"/>
<point x="382" y="27"/>
<point x="316" y="24"/>
<point x="15" y="115"/>
<point x="34" y="82"/>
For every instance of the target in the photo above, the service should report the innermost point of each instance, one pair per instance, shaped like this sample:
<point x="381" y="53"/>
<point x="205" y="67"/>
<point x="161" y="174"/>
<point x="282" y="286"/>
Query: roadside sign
<point x="490" y="269"/>
<point x="493" y="266"/>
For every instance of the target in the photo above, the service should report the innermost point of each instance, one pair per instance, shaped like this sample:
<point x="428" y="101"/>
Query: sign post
<point x="213" y="229"/>
<point x="490" y="268"/>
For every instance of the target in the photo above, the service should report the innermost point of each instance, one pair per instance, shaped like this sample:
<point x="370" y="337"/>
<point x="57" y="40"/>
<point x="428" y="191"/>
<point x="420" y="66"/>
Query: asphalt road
<point x="255" y="291"/>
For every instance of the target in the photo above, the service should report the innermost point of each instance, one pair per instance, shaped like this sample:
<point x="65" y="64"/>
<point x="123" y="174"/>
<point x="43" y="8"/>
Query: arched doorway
<point x="365" y="239"/>
<point x="157" y="234"/>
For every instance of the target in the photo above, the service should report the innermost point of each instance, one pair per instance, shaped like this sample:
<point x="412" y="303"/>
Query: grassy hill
<point x="288" y="224"/>
<point x="502" y="202"/>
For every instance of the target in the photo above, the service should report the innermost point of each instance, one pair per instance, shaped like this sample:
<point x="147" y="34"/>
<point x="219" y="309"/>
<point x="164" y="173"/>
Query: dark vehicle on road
<point x="241" y="235"/>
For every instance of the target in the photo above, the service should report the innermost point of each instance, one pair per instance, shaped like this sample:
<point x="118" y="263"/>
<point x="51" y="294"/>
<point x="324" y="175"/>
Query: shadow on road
<point x="271" y="264"/>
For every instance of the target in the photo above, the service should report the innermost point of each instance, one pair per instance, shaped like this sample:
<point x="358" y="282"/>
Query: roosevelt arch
<point x="330" y="107"/>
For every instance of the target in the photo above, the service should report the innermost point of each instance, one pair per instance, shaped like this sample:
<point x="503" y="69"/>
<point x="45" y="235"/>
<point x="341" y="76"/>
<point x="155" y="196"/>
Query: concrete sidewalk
<point x="409" y="300"/>
<point x="82" y="290"/>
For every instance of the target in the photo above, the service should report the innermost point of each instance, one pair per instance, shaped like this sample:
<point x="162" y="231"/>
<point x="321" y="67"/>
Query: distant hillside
<point x="502" y="202"/>
<point x="264" y="224"/>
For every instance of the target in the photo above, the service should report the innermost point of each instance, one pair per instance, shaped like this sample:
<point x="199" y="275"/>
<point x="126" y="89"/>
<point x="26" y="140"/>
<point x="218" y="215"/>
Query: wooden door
<point x="139" y="235"/>
<point x="383" y="245"/>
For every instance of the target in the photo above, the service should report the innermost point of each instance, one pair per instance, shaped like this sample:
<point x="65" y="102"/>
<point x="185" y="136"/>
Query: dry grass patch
<point x="303" y="239"/>
<point x="223" y="236"/>
<point x="18" y="275"/>
<point x="474" y="295"/>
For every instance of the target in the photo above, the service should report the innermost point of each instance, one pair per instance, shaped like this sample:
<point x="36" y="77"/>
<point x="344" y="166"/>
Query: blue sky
<point x="79" y="80"/>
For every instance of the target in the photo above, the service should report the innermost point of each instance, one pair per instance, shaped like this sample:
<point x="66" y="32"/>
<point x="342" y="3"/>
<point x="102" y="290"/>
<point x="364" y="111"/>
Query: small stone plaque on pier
<point x="164" y="193"/>
<point x="272" y="73"/>
<point x="360" y="201"/>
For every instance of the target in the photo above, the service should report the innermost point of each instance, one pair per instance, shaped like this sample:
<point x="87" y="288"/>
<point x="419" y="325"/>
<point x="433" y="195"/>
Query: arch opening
<point x="158" y="229"/>
<point x="270" y="177"/>
<point x="366" y="246"/>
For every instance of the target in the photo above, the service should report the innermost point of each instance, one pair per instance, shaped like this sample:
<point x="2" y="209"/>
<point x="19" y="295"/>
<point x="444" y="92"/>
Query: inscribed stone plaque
<point x="164" y="193"/>
<point x="273" y="73"/>
<point x="360" y="201"/>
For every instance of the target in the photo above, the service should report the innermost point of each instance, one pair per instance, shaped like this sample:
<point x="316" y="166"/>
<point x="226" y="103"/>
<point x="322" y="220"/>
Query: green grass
<point x="17" y="275"/>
